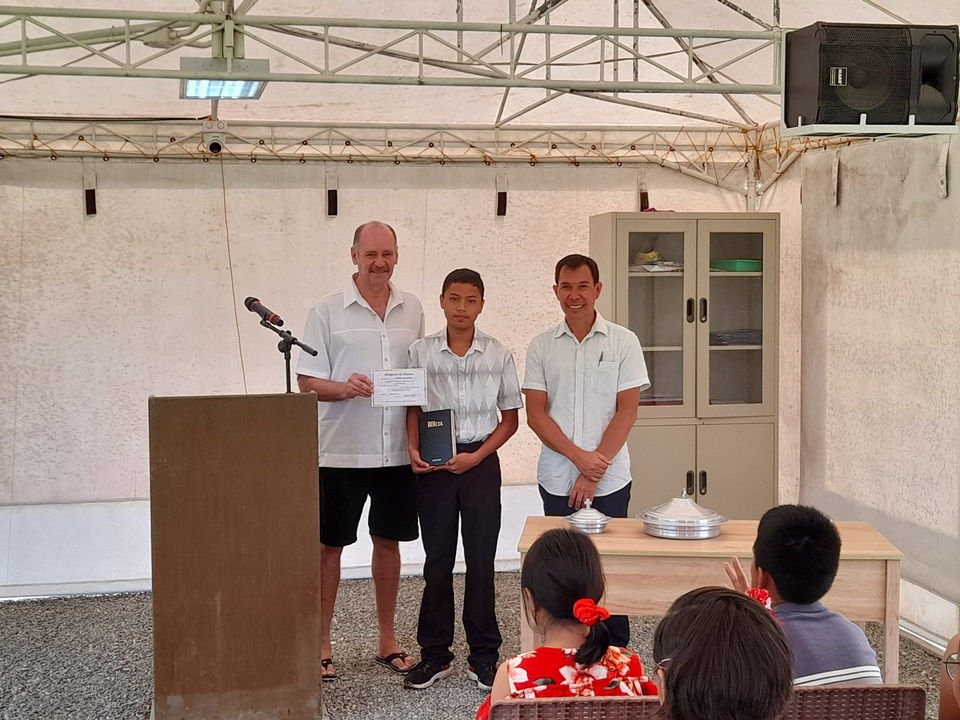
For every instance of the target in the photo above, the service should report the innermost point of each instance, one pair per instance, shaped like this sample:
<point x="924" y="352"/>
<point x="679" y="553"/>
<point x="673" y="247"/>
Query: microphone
<point x="253" y="305"/>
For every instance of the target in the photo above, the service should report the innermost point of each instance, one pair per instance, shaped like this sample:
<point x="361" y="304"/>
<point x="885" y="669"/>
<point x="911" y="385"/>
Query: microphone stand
<point x="286" y="342"/>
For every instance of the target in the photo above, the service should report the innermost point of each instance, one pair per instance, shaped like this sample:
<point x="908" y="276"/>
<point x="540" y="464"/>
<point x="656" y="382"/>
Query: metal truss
<point x="742" y="162"/>
<point x="623" y="64"/>
<point x="529" y="52"/>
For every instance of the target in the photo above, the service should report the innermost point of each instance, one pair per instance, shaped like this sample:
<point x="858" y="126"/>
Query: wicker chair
<point x="857" y="702"/>
<point x="853" y="702"/>
<point x="582" y="708"/>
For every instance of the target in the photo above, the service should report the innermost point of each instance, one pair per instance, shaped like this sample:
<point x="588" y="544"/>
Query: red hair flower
<point x="588" y="612"/>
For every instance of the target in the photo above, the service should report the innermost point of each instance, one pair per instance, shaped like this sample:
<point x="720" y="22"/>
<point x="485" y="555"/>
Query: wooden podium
<point x="236" y="569"/>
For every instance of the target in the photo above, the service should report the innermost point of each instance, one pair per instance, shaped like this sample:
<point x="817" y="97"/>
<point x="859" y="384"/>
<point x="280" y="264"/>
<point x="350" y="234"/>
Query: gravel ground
<point x="90" y="657"/>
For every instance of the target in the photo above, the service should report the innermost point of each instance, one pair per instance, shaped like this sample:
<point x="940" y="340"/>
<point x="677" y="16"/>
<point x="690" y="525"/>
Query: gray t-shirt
<point x="827" y="648"/>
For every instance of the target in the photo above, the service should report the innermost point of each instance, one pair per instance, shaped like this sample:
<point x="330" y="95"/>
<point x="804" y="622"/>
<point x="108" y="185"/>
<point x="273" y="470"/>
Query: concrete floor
<point x="90" y="657"/>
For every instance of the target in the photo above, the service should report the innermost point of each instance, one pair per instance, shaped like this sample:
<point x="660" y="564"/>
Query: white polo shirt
<point x="582" y="380"/>
<point x="474" y="386"/>
<point x="350" y="338"/>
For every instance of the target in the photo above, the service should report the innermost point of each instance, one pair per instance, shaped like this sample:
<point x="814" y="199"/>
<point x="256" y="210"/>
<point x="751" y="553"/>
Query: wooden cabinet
<point x="700" y="292"/>
<point x="727" y="467"/>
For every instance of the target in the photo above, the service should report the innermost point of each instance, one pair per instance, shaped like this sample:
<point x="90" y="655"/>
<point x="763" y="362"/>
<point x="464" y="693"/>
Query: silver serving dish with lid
<point x="588" y="520"/>
<point x="681" y="518"/>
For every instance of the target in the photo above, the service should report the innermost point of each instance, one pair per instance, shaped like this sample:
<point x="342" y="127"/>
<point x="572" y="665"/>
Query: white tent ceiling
<point x="591" y="80"/>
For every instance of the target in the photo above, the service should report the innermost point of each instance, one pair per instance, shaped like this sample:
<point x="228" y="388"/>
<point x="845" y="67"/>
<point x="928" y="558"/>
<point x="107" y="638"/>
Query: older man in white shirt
<point x="368" y="325"/>
<point x="583" y="382"/>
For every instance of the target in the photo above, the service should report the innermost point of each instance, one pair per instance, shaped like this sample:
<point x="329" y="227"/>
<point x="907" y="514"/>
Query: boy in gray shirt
<point x="795" y="559"/>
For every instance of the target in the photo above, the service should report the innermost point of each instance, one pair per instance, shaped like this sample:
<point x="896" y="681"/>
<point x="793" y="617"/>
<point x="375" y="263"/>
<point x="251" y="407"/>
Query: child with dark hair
<point x="950" y="681"/>
<point x="560" y="584"/>
<point x="721" y="656"/>
<point x="474" y="375"/>
<point x="795" y="559"/>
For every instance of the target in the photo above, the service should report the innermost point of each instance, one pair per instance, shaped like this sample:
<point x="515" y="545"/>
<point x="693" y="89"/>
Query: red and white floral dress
<point x="552" y="672"/>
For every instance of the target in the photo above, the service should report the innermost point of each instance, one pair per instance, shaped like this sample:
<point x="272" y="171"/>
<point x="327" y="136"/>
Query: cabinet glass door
<point x="737" y="274"/>
<point x="657" y="266"/>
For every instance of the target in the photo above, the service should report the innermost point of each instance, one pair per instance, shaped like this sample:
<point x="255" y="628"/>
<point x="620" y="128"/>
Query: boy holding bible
<point x="474" y="376"/>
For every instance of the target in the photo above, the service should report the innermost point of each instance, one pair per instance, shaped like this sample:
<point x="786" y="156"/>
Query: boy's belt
<point x="469" y="447"/>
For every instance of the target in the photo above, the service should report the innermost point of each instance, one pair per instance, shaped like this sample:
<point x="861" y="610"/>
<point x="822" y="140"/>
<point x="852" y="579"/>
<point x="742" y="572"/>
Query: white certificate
<point x="393" y="388"/>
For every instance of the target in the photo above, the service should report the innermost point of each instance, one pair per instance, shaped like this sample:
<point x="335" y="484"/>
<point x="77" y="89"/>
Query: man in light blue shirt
<point x="582" y="382"/>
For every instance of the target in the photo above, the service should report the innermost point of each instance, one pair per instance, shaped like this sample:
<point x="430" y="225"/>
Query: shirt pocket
<point x="603" y="382"/>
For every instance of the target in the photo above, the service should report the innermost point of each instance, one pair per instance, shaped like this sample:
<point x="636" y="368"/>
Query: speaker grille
<point x="875" y="65"/>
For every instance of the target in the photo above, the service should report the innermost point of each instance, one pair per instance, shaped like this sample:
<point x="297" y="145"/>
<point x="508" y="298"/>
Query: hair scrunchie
<point x="588" y="612"/>
<point x="761" y="596"/>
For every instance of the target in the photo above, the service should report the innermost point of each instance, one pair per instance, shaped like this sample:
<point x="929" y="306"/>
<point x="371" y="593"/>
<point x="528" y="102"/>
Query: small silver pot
<point x="681" y="518"/>
<point x="588" y="520"/>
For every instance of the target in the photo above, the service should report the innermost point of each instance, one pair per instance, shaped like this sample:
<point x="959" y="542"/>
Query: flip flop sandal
<point x="387" y="661"/>
<point x="324" y="674"/>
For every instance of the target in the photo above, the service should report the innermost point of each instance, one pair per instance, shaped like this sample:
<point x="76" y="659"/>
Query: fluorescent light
<point x="214" y="79"/>
<point x="223" y="89"/>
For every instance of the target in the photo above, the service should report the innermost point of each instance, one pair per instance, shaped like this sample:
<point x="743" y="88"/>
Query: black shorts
<point x="393" y="503"/>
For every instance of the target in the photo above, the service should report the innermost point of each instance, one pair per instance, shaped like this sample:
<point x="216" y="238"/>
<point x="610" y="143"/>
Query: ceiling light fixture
<point x="215" y="79"/>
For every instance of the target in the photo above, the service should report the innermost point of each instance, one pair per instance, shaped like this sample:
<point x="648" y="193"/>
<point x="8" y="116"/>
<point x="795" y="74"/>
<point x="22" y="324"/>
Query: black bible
<point x="438" y="436"/>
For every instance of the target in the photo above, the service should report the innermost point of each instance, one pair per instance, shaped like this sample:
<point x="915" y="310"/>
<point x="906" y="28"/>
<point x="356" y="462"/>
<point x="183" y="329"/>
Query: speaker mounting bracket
<point x="832" y="130"/>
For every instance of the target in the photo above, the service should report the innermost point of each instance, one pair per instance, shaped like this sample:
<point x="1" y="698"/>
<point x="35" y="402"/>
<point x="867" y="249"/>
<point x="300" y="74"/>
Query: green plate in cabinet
<point x="737" y="265"/>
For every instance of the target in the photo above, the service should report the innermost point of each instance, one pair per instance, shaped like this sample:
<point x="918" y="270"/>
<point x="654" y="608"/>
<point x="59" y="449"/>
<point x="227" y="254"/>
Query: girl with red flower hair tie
<point x="561" y="582"/>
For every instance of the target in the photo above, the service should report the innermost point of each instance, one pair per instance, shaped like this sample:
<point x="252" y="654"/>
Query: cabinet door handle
<point x="703" y="482"/>
<point x="690" y="487"/>
<point x="703" y="309"/>
<point x="691" y="312"/>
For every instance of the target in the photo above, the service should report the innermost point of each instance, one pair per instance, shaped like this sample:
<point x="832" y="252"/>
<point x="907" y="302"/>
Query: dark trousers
<point x="615" y="505"/>
<point x="443" y="500"/>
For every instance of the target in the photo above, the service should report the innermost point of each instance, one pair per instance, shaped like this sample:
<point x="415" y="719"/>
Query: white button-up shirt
<point x="350" y="337"/>
<point x="582" y="380"/>
<point x="474" y="386"/>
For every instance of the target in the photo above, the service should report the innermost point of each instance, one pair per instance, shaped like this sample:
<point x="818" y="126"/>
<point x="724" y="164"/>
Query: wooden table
<point x="646" y="574"/>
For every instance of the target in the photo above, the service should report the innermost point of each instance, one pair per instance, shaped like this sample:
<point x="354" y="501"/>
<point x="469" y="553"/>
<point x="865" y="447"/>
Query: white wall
<point x="100" y="547"/>
<point x="146" y="297"/>
<point x="881" y="352"/>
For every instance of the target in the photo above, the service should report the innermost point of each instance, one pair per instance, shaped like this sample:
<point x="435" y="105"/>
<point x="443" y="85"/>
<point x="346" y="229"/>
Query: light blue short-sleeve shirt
<point x="582" y="379"/>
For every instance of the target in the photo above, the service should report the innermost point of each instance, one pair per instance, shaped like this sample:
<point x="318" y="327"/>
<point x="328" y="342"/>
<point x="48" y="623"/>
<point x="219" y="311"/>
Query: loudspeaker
<point x="332" y="205"/>
<point x="836" y="72"/>
<point x="501" y="203"/>
<point x="90" y="201"/>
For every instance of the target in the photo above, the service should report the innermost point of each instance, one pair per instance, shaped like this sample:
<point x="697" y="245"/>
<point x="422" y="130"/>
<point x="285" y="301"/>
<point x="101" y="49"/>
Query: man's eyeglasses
<point x="951" y="664"/>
